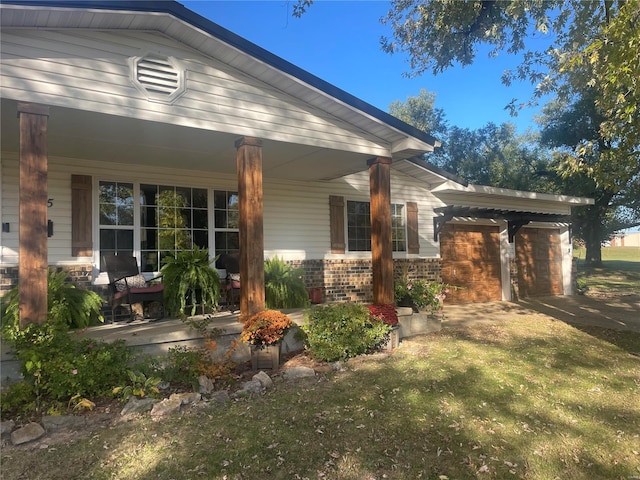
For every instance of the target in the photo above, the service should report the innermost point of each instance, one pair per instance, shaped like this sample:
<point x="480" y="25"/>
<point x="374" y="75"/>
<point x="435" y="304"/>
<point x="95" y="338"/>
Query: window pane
<point x="125" y="215"/>
<point x="108" y="214"/>
<point x="167" y="239"/>
<point x="148" y="194"/>
<point x="150" y="262"/>
<point x="233" y="219"/>
<point x="200" y="219"/>
<point x="201" y="238"/>
<point x="107" y="239"/>
<point x="148" y="239"/>
<point x="199" y="198"/>
<point x="124" y="240"/>
<point x="148" y="217"/>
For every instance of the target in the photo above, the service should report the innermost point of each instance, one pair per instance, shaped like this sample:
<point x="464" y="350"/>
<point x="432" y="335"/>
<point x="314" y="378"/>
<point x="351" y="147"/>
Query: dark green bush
<point x="342" y="330"/>
<point x="66" y="305"/>
<point x="57" y="367"/>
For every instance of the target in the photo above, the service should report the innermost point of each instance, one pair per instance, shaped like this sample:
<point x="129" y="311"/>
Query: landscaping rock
<point x="187" y="398"/>
<point x="138" y="405"/>
<point x="264" y="379"/>
<point x="298" y="372"/>
<point x="53" y="423"/>
<point x="220" y="397"/>
<point x="6" y="427"/>
<point x="206" y="385"/>
<point x="252" y="387"/>
<point x="28" y="433"/>
<point x="166" y="406"/>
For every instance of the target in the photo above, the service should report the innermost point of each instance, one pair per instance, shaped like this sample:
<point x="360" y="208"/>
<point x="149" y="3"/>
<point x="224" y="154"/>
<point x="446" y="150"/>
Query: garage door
<point x="471" y="260"/>
<point x="539" y="259"/>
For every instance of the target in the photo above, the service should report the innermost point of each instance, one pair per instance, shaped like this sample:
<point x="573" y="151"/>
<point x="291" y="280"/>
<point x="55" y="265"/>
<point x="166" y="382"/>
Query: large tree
<point x="576" y="126"/>
<point x="572" y="49"/>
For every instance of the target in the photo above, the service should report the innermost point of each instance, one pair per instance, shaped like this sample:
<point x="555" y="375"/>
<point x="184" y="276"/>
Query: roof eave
<point x="421" y="141"/>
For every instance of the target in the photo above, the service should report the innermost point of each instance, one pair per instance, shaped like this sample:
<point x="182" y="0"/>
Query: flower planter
<point x="394" y="339"/>
<point x="265" y="358"/>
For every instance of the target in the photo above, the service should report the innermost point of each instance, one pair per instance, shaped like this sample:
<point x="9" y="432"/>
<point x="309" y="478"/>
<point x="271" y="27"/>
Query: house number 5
<point x="49" y="202"/>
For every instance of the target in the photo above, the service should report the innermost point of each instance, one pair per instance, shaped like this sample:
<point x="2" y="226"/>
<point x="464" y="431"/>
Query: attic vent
<point x="161" y="79"/>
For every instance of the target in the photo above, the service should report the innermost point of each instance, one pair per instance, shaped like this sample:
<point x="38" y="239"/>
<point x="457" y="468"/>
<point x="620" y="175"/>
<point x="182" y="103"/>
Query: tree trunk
<point x="593" y="257"/>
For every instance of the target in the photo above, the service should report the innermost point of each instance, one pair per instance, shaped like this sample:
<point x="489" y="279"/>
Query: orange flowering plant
<point x="266" y="328"/>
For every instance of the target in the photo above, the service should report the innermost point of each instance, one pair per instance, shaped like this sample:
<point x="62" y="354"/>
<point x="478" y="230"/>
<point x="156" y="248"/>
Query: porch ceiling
<point x="109" y="138"/>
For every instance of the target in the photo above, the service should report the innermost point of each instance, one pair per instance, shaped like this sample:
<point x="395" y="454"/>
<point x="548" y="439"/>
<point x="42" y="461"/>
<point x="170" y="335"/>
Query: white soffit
<point x="33" y="16"/>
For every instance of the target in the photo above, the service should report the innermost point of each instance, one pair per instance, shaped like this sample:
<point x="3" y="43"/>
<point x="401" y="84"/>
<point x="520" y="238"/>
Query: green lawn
<point x="524" y="399"/>
<point x="620" y="271"/>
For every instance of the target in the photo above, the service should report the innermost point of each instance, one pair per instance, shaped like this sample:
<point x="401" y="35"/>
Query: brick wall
<point x="351" y="280"/>
<point x="342" y="280"/>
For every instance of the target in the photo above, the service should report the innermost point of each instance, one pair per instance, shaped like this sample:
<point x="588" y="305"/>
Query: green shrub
<point x="283" y="285"/>
<point x="138" y="385"/>
<point x="59" y="367"/>
<point x="342" y="330"/>
<point x="188" y="275"/>
<point x="66" y="304"/>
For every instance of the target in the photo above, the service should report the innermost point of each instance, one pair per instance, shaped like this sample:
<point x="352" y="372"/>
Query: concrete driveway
<point x="620" y="312"/>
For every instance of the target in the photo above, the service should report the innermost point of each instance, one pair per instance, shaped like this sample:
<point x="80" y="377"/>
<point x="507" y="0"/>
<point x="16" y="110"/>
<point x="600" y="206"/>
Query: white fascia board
<point x="483" y="190"/>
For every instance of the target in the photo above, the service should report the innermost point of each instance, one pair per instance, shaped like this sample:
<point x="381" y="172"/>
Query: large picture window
<point x="158" y="220"/>
<point x="359" y="227"/>
<point x="172" y="219"/>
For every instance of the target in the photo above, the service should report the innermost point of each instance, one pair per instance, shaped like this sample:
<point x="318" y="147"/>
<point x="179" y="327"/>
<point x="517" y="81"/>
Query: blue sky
<point x="339" y="41"/>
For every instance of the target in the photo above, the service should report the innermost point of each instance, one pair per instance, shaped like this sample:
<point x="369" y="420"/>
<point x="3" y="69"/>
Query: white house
<point x="108" y="106"/>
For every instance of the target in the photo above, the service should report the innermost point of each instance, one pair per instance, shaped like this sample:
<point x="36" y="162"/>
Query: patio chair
<point x="128" y="286"/>
<point x="231" y="263"/>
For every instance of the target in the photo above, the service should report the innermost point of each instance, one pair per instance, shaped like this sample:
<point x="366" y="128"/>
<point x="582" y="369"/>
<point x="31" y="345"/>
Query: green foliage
<point x="18" y="400"/>
<point x="139" y="385"/>
<point x="188" y="275"/>
<point x="421" y="295"/>
<point x="283" y="285"/>
<point x="66" y="304"/>
<point x="57" y="367"/>
<point x="342" y="330"/>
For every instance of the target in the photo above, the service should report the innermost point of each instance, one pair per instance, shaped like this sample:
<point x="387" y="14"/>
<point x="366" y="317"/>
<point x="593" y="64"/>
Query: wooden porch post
<point x="32" y="265"/>
<point x="381" y="247"/>
<point x="249" y="162"/>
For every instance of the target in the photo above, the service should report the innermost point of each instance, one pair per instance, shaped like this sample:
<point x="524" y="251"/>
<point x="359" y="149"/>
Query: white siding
<point x="90" y="71"/>
<point x="296" y="214"/>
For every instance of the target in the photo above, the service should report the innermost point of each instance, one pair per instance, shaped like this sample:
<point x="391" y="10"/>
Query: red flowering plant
<point x="266" y="328"/>
<point x="384" y="312"/>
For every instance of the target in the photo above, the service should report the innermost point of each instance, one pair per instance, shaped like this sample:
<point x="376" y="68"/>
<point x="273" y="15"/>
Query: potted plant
<point x="189" y="275"/>
<point x="283" y="285"/>
<point x="421" y="295"/>
<point x="264" y="332"/>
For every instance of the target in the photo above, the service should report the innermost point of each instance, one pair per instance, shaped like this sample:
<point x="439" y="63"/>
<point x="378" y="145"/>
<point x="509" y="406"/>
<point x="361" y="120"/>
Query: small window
<point x="359" y="227"/>
<point x="226" y="219"/>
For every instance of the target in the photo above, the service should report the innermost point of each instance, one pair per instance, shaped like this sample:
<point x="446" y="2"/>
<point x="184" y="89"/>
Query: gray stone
<point x="6" y="427"/>
<point x="264" y="379"/>
<point x="28" y="433"/>
<point x="252" y="386"/>
<point x="138" y="405"/>
<point x="166" y="407"/>
<point x="187" y="398"/>
<point x="206" y="385"/>
<point x="220" y="397"/>
<point x="298" y="372"/>
<point x="53" y="423"/>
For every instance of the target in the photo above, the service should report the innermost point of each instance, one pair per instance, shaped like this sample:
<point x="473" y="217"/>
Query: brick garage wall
<point x="352" y="280"/>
